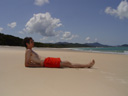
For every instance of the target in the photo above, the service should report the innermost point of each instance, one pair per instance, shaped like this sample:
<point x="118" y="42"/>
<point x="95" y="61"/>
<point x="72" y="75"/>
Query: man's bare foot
<point x="91" y="64"/>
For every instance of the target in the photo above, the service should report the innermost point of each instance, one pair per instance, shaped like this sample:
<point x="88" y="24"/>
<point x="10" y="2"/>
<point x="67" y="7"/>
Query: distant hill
<point x="66" y="44"/>
<point x="96" y="44"/>
<point x="62" y="43"/>
<point x="124" y="45"/>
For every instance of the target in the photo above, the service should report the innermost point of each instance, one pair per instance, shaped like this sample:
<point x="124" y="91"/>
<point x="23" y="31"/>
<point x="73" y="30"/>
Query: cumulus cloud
<point x="40" y="2"/>
<point x="121" y="11"/>
<point x="12" y="25"/>
<point x="87" y="38"/>
<point x="91" y="40"/>
<point x="43" y="24"/>
<point x="68" y="36"/>
<point x="21" y="32"/>
<point x="1" y="29"/>
<point x="96" y="39"/>
<point x="44" y="38"/>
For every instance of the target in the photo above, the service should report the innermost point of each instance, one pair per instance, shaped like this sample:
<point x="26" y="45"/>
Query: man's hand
<point x="42" y="63"/>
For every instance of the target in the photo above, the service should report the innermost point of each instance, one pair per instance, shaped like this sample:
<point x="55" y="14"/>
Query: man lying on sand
<point x="32" y="59"/>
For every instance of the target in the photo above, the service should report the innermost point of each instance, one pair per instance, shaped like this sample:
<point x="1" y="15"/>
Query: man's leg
<point x="70" y="65"/>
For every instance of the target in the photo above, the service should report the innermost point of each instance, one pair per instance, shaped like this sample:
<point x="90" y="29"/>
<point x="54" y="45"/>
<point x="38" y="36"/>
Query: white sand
<point x="109" y="76"/>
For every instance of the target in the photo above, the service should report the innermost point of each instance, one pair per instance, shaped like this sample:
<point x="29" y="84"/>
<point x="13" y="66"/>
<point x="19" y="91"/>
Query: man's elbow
<point x="26" y="65"/>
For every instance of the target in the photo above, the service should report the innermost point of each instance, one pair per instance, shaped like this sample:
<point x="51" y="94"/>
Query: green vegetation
<point x="10" y="40"/>
<point x="16" y="41"/>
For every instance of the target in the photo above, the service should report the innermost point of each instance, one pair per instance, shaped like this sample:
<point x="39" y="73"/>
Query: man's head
<point x="28" y="42"/>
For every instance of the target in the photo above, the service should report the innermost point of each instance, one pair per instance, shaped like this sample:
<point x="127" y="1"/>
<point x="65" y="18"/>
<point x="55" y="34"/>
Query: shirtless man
<point x="32" y="59"/>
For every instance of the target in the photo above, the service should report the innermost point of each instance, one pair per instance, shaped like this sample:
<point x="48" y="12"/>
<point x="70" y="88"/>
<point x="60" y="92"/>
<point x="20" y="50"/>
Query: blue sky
<point x="76" y="21"/>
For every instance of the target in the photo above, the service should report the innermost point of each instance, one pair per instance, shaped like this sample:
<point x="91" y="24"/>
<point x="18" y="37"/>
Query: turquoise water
<point x="116" y="50"/>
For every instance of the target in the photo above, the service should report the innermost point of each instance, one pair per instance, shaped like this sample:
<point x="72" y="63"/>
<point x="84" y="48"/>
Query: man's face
<point x="30" y="44"/>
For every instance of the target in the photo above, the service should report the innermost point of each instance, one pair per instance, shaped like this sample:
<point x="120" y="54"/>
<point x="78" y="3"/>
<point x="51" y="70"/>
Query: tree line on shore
<point x="10" y="40"/>
<point x="16" y="41"/>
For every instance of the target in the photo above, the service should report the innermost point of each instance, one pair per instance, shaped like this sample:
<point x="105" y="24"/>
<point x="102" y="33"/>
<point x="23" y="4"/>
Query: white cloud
<point x="21" y="32"/>
<point x="121" y="11"/>
<point x="12" y="25"/>
<point x="1" y="29"/>
<point x="44" y="38"/>
<point x="43" y="24"/>
<point x="91" y="40"/>
<point x="68" y="36"/>
<point x="96" y="39"/>
<point x="40" y="2"/>
<point x="87" y="38"/>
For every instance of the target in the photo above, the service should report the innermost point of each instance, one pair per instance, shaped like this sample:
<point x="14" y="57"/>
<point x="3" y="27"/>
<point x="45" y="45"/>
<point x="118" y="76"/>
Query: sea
<point x="109" y="50"/>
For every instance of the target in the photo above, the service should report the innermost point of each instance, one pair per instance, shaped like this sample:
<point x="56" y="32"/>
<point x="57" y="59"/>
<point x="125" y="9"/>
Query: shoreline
<point x="102" y="51"/>
<point x="64" y="49"/>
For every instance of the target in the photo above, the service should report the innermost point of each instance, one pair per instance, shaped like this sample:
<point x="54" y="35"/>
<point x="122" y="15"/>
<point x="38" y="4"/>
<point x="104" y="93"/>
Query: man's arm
<point x="28" y="63"/>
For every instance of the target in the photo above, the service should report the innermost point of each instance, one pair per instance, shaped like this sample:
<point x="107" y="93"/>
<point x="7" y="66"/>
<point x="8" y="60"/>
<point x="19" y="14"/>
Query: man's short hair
<point x="26" y="40"/>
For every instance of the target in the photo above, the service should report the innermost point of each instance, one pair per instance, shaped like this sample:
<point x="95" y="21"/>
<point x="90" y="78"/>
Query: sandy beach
<point x="108" y="77"/>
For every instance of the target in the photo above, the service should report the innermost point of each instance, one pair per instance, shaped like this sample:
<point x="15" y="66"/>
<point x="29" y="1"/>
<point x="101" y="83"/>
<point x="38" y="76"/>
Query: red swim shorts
<point x="52" y="62"/>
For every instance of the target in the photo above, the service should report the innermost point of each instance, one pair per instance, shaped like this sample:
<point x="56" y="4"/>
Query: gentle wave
<point x="110" y="50"/>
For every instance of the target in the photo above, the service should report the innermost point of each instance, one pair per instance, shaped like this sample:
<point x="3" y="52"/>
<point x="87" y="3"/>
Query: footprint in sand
<point x="122" y="81"/>
<point x="112" y="77"/>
